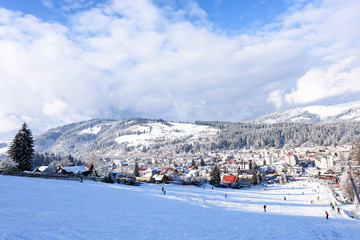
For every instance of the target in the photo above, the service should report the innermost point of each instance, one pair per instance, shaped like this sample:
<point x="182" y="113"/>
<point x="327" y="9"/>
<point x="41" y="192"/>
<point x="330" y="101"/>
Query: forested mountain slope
<point x="248" y="135"/>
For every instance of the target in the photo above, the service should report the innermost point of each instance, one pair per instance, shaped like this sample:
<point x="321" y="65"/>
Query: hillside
<point x="309" y="126"/>
<point x="114" y="138"/>
<point x="314" y="114"/>
<point x="35" y="208"/>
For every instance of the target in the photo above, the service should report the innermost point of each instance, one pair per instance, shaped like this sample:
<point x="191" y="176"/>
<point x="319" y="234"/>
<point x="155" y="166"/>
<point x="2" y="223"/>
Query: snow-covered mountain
<point x="315" y="114"/>
<point x="113" y="138"/>
<point x="135" y="137"/>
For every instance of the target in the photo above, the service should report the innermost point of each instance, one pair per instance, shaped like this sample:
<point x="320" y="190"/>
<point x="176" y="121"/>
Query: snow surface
<point x="93" y="130"/>
<point x="33" y="208"/>
<point x="156" y="131"/>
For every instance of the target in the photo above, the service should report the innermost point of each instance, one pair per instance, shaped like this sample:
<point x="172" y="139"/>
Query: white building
<point x="324" y="162"/>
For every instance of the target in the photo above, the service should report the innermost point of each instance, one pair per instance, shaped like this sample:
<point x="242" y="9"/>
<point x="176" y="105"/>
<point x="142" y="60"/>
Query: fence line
<point x="51" y="176"/>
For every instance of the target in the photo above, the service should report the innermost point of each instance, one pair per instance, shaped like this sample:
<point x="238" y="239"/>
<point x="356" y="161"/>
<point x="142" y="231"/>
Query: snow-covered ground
<point x="157" y="131"/>
<point x="34" y="208"/>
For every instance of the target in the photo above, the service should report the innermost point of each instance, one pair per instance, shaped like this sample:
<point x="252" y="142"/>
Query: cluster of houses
<point x="242" y="167"/>
<point x="83" y="170"/>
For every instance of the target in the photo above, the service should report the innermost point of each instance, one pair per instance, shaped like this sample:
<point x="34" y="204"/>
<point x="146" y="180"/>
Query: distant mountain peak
<point x="314" y="114"/>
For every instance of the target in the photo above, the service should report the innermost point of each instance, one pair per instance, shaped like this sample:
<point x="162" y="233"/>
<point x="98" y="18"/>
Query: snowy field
<point x="34" y="208"/>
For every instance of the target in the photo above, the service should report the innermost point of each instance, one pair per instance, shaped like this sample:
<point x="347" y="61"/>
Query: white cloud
<point x="333" y="50"/>
<point x="317" y="84"/>
<point x="8" y="123"/>
<point x="275" y="97"/>
<point x="54" y="108"/>
<point x="48" y="3"/>
<point x="132" y="57"/>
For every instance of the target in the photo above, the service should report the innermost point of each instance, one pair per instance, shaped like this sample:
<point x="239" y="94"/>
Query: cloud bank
<point x="137" y="58"/>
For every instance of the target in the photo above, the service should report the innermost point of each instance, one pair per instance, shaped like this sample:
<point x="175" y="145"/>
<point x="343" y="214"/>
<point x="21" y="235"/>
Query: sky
<point x="180" y="60"/>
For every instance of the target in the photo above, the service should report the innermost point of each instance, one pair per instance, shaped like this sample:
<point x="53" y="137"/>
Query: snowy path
<point x="54" y="209"/>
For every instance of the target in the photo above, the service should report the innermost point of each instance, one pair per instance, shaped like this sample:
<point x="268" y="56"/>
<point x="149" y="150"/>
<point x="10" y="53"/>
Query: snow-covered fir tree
<point x="215" y="175"/>
<point x="202" y="162"/>
<point x="21" y="149"/>
<point x="136" y="170"/>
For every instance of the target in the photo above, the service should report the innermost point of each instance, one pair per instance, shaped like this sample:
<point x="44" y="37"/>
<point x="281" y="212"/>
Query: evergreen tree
<point x="136" y="170"/>
<point x="202" y="162"/>
<point x="21" y="149"/>
<point x="255" y="179"/>
<point x="215" y="175"/>
<point x="263" y="176"/>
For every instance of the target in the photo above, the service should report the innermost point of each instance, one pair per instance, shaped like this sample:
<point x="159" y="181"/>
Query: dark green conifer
<point x="215" y="175"/>
<point x="136" y="170"/>
<point x="21" y="149"/>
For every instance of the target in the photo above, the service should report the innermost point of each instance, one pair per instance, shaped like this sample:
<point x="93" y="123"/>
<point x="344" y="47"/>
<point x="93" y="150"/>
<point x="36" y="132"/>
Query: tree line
<point x="279" y="135"/>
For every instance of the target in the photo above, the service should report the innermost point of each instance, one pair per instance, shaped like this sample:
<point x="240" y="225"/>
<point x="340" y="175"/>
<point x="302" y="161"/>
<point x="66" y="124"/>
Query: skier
<point x="81" y="179"/>
<point x="338" y="210"/>
<point x="164" y="192"/>
<point x="162" y="189"/>
<point x="333" y="207"/>
<point x="318" y="198"/>
<point x="284" y="198"/>
<point x="264" y="208"/>
<point x="327" y="215"/>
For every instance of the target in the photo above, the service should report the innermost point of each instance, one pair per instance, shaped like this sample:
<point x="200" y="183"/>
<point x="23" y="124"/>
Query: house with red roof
<point x="229" y="179"/>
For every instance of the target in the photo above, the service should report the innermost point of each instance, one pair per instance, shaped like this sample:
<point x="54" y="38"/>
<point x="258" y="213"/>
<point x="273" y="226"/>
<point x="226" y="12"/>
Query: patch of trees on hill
<point x="248" y="135"/>
<point x="51" y="159"/>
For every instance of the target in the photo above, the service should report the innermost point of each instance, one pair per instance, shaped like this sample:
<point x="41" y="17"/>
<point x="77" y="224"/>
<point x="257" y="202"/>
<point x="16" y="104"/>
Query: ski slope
<point x="34" y="208"/>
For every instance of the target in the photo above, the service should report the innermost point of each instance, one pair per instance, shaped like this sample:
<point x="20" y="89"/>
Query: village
<point x="236" y="168"/>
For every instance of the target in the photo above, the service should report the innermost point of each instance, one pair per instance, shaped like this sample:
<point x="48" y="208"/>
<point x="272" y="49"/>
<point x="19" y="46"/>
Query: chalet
<point x="44" y="170"/>
<point x="158" y="178"/>
<point x="229" y="179"/>
<point x="328" y="175"/>
<point x="148" y="172"/>
<point x="145" y="172"/>
<point x="76" y="170"/>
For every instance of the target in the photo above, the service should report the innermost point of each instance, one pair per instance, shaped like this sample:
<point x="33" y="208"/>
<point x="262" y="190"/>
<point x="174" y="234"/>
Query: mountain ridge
<point x="141" y="137"/>
<point x="314" y="114"/>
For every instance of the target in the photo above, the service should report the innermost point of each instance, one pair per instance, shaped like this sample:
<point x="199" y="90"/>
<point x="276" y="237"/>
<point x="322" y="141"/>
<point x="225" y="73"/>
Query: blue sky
<point x="242" y="16"/>
<point x="72" y="60"/>
<point x="227" y="14"/>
